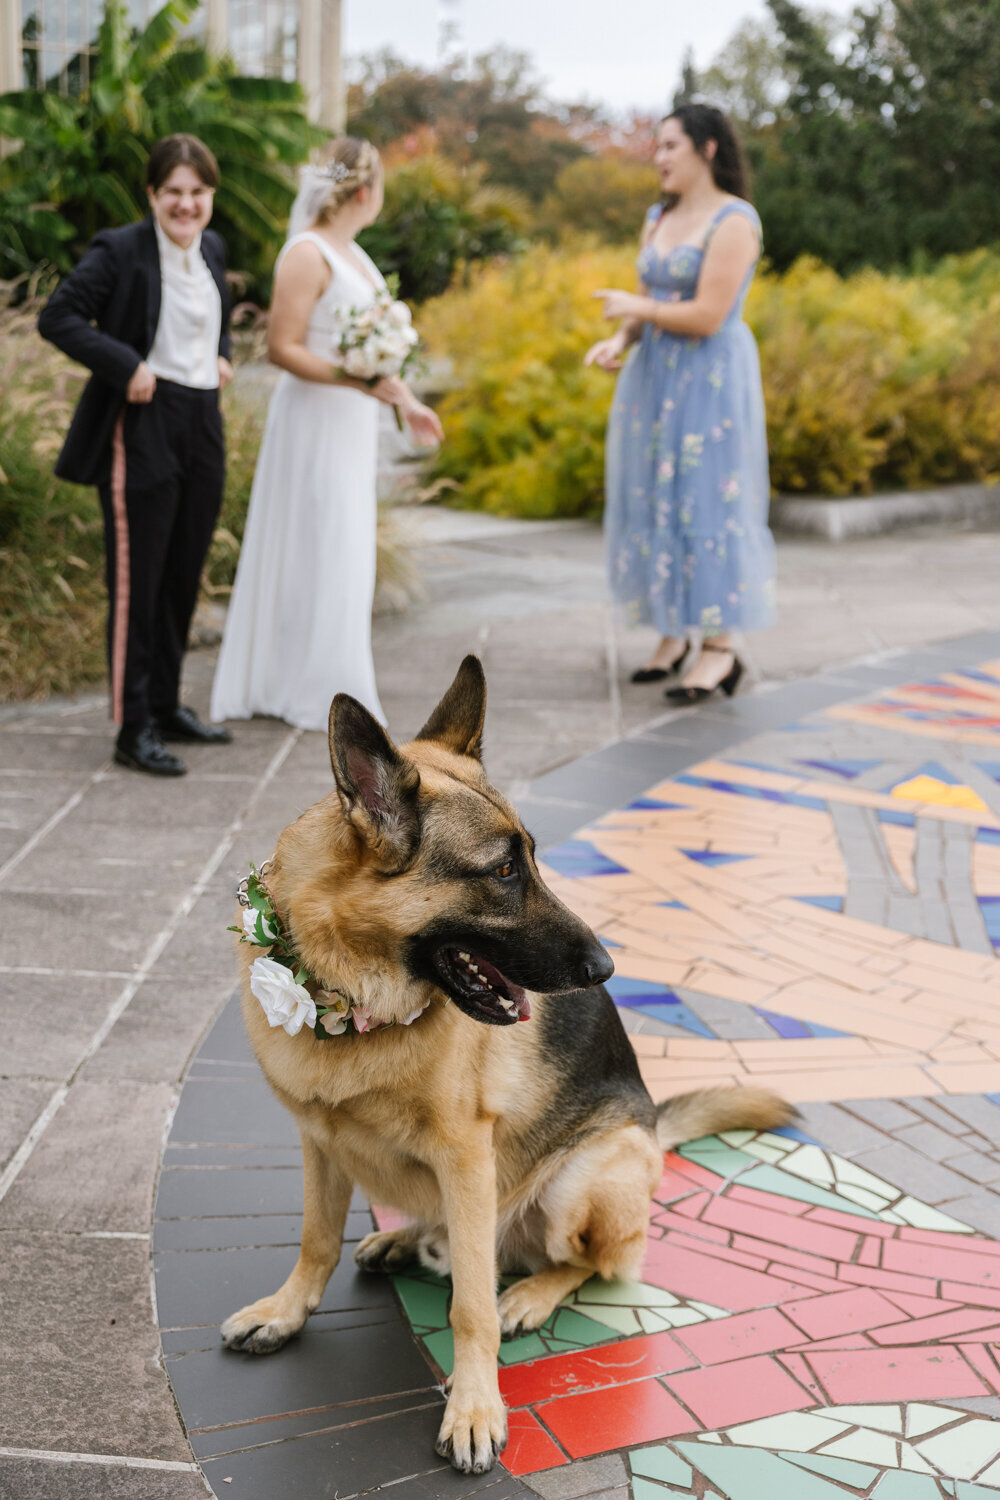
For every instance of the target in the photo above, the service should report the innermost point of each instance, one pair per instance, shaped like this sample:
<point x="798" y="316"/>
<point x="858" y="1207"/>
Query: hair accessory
<point x="336" y="171"/>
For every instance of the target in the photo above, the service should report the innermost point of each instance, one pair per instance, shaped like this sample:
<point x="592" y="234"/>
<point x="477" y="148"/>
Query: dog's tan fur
<point x="441" y="1118"/>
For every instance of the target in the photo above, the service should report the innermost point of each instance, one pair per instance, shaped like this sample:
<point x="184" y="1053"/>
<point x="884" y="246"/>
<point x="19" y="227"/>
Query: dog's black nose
<point x="597" y="967"/>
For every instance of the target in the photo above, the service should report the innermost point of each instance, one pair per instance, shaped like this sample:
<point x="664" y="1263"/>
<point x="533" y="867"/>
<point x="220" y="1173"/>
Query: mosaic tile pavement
<point x="817" y="910"/>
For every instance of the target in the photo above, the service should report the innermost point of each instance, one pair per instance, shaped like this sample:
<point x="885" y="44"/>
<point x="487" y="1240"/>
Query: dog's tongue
<point x="523" y="1007"/>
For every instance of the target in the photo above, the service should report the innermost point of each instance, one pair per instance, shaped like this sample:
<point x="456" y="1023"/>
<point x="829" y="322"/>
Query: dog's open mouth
<point x="478" y="988"/>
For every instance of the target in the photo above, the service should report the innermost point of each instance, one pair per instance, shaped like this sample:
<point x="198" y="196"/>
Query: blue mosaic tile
<point x="758" y="793"/>
<point x="848" y="769"/>
<point x="791" y="1028"/>
<point x="990" y="908"/>
<point x="825" y="903"/>
<point x="577" y="857"/>
<point x="989" y="767"/>
<point x="988" y="836"/>
<point x="653" y="804"/>
<point x="712" y="859"/>
<point x="676" y="905"/>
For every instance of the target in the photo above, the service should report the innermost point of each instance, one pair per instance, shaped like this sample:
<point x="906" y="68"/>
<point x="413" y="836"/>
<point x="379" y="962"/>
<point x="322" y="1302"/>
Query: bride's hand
<point x="424" y="424"/>
<point x="391" y="390"/>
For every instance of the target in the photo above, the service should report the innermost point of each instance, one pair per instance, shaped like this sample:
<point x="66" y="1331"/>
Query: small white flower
<point x="258" y="927"/>
<point x="285" y="1003"/>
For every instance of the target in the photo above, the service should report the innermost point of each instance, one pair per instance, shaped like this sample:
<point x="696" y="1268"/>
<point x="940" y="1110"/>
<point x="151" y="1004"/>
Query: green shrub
<point x="606" y="196"/>
<point x="873" y="381"/>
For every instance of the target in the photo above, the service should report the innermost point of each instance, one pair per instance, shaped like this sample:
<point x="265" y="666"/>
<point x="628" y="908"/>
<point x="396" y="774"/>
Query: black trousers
<point x="160" y="507"/>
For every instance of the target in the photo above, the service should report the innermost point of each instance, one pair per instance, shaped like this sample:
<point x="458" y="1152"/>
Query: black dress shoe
<point x="184" y="724"/>
<point x="728" y="685"/>
<point x="657" y="674"/>
<point x="143" y="750"/>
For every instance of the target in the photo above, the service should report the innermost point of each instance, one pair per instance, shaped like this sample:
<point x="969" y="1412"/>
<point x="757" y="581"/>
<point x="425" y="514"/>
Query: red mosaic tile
<point x="761" y="1199"/>
<point x="797" y="1367"/>
<point x="782" y="1229"/>
<point x="725" y="1339"/>
<point x="739" y="1392"/>
<point x="529" y="1447"/>
<point x="980" y="1296"/>
<point x="817" y="1283"/>
<point x="691" y="1224"/>
<point x="978" y="1356"/>
<point x="590" y="1369"/>
<point x="700" y="1275"/>
<point x="904" y="1374"/>
<point x="615" y="1418"/>
<point x="692" y="1172"/>
<point x="841" y="1312"/>
<point x="892" y="1281"/>
<point x="818" y="1265"/>
<point x="871" y="1251"/>
<point x="950" y="1241"/>
<point x="944" y="1326"/>
<point x="689" y="1207"/>
<point x="936" y="1260"/>
<point x="853" y="1222"/>
<point x="846" y="1341"/>
<point x="922" y="1307"/>
<point x="719" y="1251"/>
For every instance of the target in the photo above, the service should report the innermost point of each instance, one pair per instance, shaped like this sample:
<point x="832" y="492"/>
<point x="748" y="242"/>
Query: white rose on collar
<point x="285" y="1003"/>
<point x="257" y="927"/>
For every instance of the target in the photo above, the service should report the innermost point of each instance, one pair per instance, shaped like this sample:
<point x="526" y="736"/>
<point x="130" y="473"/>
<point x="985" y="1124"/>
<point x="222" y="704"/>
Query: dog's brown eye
<point x="506" y="870"/>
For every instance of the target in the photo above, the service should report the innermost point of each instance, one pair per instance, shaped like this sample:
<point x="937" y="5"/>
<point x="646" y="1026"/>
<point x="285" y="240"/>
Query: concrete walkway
<point x="116" y="890"/>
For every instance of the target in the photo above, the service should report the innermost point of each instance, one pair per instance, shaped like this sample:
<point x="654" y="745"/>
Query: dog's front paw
<point x="473" y="1431"/>
<point x="387" y="1250"/>
<point x="262" y="1327"/>
<point x="523" y="1307"/>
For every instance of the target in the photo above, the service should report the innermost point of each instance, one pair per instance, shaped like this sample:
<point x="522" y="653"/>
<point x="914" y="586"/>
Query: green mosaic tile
<point x="775" y="1180"/>
<point x="625" y="1293"/>
<point x="897" y="1486"/>
<point x="566" y="1323"/>
<point x="966" y="1491"/>
<point x="753" y="1474"/>
<point x="844" y="1469"/>
<point x="643" y="1490"/>
<point x="717" y="1157"/>
<point x="425" y="1302"/>
<point x="528" y="1346"/>
<point x="441" y="1348"/>
<point x="622" y="1319"/>
<point x="659" y="1463"/>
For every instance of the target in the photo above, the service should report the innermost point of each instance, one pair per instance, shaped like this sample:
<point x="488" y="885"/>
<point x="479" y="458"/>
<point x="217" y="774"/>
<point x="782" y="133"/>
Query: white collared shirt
<point x="186" y="346"/>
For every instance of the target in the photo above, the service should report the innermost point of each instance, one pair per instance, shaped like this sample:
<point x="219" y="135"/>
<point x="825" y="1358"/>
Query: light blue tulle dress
<point x="687" y="485"/>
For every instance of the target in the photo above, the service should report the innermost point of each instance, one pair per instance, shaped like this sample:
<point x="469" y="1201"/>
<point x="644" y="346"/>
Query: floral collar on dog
<point x="291" y="997"/>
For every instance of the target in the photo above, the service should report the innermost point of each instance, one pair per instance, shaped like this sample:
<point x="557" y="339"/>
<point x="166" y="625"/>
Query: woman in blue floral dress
<point x="687" y="477"/>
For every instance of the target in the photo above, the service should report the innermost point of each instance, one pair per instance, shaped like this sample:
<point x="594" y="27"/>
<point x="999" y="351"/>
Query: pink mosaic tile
<point x="739" y="1336"/>
<point x="913" y="1374"/>
<point x="739" y="1392"/>
<point x="841" y="1312"/>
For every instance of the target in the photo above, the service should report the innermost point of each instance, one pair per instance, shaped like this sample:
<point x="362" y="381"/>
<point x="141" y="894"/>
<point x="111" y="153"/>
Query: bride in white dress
<point x="299" y="623"/>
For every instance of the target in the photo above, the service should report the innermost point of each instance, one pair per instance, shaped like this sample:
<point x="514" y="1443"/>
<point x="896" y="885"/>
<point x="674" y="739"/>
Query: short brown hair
<point x="180" y="151"/>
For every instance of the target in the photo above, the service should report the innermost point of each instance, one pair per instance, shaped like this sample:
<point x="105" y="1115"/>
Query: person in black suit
<point x="147" y="312"/>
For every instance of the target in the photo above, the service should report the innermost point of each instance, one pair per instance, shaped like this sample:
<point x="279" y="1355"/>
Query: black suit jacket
<point x="116" y="287"/>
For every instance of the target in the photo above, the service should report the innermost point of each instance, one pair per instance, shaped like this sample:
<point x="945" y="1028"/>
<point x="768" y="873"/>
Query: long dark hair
<point x="704" y="123"/>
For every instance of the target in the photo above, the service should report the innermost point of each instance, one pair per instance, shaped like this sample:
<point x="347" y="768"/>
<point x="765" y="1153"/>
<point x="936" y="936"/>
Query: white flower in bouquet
<point x="374" y="342"/>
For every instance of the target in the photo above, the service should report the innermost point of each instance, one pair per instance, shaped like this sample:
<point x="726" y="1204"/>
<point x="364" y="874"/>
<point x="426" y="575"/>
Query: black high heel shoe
<point x="728" y="685"/>
<point x="657" y="674"/>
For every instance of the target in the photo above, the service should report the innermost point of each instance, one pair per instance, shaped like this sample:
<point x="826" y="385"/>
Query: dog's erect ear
<point x="457" y="722"/>
<point x="378" y="786"/>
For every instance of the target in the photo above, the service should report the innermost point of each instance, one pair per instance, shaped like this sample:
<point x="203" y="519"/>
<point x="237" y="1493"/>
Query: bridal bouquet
<point x="373" y="342"/>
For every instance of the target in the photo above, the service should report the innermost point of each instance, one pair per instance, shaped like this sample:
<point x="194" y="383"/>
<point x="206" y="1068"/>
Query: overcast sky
<point x="626" y="53"/>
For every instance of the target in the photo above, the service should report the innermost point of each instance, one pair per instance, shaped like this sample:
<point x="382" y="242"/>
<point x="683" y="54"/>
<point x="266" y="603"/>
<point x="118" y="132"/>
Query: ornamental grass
<point x="872" y="382"/>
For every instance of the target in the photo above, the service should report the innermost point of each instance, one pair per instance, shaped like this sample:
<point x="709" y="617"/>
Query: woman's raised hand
<point x="607" y="354"/>
<point x="621" y="304"/>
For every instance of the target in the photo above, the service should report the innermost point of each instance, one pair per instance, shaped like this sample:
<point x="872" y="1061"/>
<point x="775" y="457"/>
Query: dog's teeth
<point x="507" y="1004"/>
<point x="474" y="969"/>
<point x="465" y="957"/>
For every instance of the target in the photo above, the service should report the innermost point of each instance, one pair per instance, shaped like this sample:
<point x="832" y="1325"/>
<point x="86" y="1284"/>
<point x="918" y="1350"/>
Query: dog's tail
<point x="707" y="1111"/>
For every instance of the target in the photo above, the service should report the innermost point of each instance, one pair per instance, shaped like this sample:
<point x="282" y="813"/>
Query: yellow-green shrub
<point x="874" y="381"/>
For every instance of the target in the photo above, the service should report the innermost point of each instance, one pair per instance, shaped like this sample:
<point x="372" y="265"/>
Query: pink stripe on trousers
<point x="119" y="632"/>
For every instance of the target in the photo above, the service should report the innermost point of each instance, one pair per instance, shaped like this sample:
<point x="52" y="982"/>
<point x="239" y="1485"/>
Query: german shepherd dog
<point x="530" y="1147"/>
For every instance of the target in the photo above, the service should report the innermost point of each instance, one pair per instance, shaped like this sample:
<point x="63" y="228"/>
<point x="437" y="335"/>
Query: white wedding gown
<point x="299" y="623"/>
